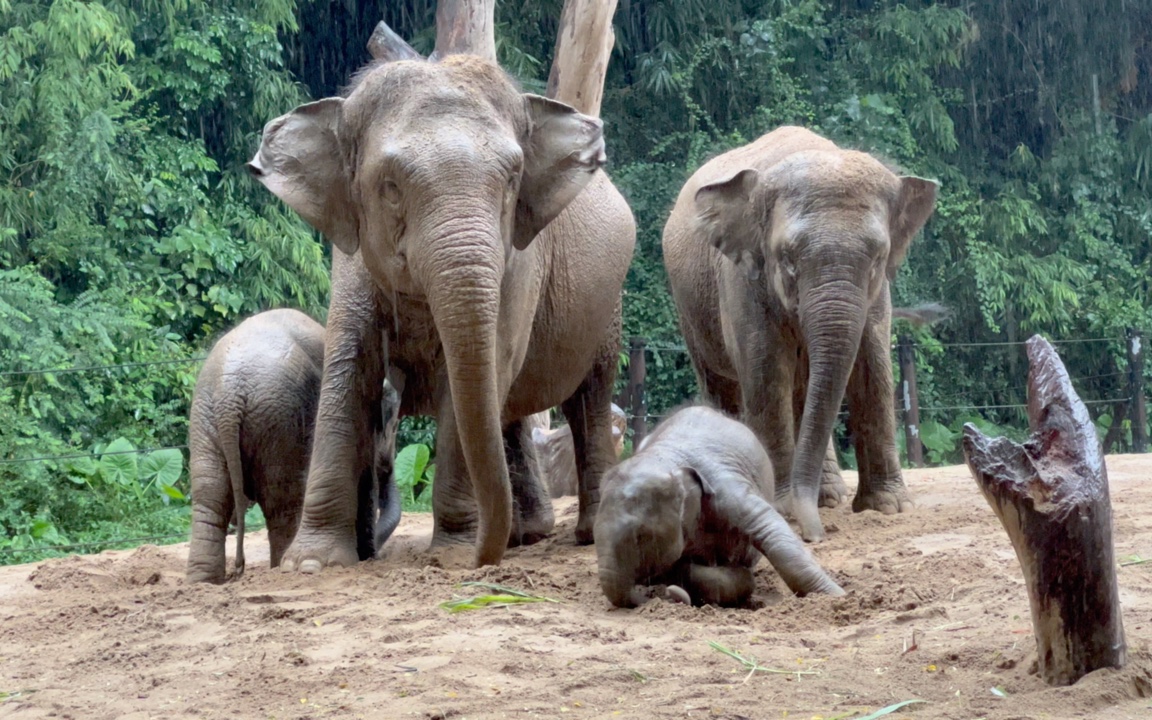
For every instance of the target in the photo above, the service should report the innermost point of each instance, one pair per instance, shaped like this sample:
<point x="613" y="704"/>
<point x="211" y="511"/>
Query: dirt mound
<point x="935" y="610"/>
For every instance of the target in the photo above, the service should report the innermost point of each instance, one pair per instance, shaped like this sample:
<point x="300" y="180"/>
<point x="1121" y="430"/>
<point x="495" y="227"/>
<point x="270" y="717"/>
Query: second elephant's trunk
<point x="832" y="320"/>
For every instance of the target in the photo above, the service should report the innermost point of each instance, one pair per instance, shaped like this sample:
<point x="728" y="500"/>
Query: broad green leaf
<point x="409" y="466"/>
<point x="120" y="468"/>
<point x="171" y="492"/>
<point x="165" y="466"/>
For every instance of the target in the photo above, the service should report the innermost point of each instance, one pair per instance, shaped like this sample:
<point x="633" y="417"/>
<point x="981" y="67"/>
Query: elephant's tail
<point x="230" y="447"/>
<point x="925" y="314"/>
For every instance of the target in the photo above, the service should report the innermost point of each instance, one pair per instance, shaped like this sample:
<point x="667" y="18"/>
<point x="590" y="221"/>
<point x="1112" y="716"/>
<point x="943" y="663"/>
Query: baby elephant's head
<point x="640" y="528"/>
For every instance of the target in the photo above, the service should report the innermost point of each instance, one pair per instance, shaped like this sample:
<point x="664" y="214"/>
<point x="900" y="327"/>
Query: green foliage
<point x="413" y="475"/>
<point x="129" y="235"/>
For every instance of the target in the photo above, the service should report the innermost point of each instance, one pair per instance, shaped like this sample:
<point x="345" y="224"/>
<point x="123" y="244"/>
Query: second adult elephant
<point x="780" y="255"/>
<point x="481" y="251"/>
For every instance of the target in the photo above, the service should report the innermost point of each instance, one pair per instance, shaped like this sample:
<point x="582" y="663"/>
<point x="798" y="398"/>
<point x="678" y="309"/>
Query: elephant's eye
<point x="391" y="192"/>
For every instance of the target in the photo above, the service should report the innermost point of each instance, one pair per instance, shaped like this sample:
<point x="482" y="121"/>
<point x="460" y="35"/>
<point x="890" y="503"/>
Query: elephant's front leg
<point x="589" y="415"/>
<point x="872" y="420"/>
<point x="343" y="445"/>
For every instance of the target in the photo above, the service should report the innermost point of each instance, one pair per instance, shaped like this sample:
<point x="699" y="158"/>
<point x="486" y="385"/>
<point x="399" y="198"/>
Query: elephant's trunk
<point x="770" y="533"/>
<point x="619" y="587"/>
<point x="832" y="319"/>
<point x="461" y="272"/>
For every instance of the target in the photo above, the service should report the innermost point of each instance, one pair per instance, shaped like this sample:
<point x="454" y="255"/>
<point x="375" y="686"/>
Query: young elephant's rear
<point x="250" y="433"/>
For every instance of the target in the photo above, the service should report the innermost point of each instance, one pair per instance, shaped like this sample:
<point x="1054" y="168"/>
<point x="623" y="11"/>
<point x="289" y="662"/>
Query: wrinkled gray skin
<point x="690" y="509"/>
<point x="780" y="254"/>
<point x="481" y="253"/>
<point x="249" y="434"/>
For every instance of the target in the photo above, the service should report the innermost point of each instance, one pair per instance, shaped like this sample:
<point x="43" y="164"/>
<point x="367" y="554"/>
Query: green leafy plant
<point x="414" y="473"/>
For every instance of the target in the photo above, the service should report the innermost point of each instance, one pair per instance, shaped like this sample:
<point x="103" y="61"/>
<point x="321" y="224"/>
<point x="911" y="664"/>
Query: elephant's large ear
<point x="725" y="218"/>
<point x="299" y="160"/>
<point x="563" y="151"/>
<point x="913" y="207"/>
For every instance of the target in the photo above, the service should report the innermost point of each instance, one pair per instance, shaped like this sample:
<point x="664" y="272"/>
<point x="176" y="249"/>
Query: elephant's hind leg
<point x="212" y="509"/>
<point x="454" y="505"/>
<point x="589" y="414"/>
<point x="532" y="516"/>
<point x="719" y="392"/>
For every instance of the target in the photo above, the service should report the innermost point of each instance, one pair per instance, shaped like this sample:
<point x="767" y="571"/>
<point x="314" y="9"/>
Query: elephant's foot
<point x="833" y="491"/>
<point x="894" y="499"/>
<point x="808" y="518"/>
<point x="675" y="593"/>
<point x="531" y="529"/>
<point x="313" y="550"/>
<point x="444" y="537"/>
<point x="584" y="524"/>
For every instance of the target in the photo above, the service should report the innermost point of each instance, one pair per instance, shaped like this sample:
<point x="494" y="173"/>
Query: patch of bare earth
<point x="936" y="610"/>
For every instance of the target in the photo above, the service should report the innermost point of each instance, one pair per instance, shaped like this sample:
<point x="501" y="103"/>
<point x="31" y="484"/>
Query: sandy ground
<point x="120" y="635"/>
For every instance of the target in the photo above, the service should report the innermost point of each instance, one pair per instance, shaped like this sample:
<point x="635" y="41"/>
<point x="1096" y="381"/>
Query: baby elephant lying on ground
<point x="689" y="510"/>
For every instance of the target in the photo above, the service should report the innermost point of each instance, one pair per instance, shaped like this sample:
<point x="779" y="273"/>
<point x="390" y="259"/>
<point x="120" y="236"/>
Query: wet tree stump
<point x="1051" y="495"/>
<point x="386" y="46"/>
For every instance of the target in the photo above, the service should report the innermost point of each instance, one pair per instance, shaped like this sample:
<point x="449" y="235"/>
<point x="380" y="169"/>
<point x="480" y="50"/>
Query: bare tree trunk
<point x="465" y="27"/>
<point x="386" y="46"/>
<point x="583" y="46"/>
<point x="1051" y="495"/>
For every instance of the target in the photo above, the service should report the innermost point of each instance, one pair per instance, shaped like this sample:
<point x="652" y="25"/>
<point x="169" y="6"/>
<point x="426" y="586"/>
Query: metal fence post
<point x="910" y="401"/>
<point x="1138" y="413"/>
<point x="637" y="370"/>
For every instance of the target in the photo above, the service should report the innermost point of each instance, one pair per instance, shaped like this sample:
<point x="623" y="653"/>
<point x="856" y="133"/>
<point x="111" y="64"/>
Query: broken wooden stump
<point x="386" y="46"/>
<point x="584" y="43"/>
<point x="1051" y="495"/>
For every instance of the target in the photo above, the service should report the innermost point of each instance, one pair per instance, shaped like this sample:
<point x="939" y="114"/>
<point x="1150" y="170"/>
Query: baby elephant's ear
<point x="725" y="219"/>
<point x="564" y="149"/>
<point x="299" y="160"/>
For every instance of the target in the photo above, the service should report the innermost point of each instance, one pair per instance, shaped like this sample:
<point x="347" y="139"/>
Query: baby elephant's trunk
<point x="754" y="516"/>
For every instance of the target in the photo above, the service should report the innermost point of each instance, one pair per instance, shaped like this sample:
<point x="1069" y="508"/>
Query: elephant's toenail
<point x="310" y="567"/>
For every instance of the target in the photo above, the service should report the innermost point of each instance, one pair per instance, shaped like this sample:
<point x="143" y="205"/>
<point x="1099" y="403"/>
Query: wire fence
<point x="648" y="417"/>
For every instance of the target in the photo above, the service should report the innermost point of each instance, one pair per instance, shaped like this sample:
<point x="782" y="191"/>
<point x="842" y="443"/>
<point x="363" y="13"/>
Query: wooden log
<point x="1051" y="495"/>
<point x="465" y="27"/>
<point x="583" y="45"/>
<point x="386" y="46"/>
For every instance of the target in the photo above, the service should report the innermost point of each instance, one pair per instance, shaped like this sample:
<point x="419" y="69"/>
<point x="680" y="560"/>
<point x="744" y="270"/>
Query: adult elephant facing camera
<point x="780" y="255"/>
<point x="494" y="251"/>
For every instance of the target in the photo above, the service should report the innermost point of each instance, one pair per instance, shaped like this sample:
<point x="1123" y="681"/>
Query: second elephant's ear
<point x="300" y="161"/>
<point x="726" y="220"/>
<point x="563" y="150"/>
<point x="913" y="206"/>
